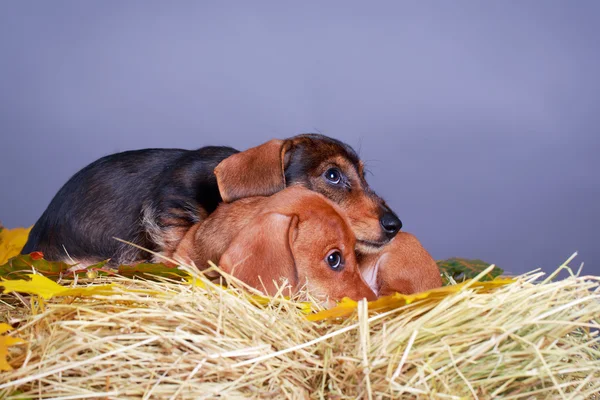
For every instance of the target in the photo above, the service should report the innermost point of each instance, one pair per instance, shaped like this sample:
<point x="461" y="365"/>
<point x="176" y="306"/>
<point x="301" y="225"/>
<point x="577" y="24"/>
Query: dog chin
<point x="369" y="246"/>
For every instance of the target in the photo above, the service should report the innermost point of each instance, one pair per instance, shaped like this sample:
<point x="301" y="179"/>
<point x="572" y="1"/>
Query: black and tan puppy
<point x="152" y="197"/>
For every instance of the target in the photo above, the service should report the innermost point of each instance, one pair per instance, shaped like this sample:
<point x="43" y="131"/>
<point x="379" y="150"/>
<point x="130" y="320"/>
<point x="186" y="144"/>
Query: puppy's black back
<point x="106" y="199"/>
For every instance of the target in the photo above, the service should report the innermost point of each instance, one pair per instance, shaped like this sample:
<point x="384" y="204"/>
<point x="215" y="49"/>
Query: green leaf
<point x="19" y="266"/>
<point x="461" y="269"/>
<point x="149" y="270"/>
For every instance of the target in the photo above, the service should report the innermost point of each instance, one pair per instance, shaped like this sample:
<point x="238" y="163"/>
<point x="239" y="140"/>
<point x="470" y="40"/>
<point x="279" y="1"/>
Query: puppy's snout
<point x="390" y="223"/>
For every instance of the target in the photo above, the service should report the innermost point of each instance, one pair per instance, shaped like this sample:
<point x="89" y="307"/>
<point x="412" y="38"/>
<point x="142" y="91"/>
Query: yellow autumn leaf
<point x="4" y="327"/>
<point x="47" y="288"/>
<point x="347" y="306"/>
<point x="11" y="242"/>
<point x="5" y="343"/>
<point x="195" y="282"/>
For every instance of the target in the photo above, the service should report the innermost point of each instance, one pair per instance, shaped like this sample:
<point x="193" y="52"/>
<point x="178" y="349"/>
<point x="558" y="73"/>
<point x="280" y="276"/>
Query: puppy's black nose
<point x="390" y="223"/>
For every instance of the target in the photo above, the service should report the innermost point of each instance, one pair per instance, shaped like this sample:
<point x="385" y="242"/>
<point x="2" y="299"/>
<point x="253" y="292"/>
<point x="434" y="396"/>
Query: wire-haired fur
<point x="151" y="197"/>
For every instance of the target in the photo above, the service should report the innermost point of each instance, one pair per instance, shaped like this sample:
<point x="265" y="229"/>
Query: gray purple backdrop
<point x="479" y="120"/>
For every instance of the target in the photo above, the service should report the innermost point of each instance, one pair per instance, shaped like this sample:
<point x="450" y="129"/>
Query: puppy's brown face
<point x="323" y="249"/>
<point x="296" y="235"/>
<point x="333" y="169"/>
<point x="321" y="164"/>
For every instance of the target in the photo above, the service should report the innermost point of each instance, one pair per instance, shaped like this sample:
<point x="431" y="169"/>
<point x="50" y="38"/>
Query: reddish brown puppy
<point x="296" y="235"/>
<point x="324" y="165"/>
<point x="402" y="266"/>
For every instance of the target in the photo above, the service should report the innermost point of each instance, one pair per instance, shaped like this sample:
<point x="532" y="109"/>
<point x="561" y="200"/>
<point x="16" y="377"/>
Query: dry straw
<point x="167" y="340"/>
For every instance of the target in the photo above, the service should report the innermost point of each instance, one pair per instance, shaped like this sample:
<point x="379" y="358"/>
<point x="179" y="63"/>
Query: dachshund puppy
<point x="402" y="266"/>
<point x="295" y="235"/>
<point x="152" y="197"/>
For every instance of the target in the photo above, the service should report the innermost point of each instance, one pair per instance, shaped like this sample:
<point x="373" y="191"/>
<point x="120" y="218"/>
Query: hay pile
<point x="170" y="340"/>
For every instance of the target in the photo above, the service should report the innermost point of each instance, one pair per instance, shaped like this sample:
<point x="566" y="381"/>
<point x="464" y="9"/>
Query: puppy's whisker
<point x="360" y="139"/>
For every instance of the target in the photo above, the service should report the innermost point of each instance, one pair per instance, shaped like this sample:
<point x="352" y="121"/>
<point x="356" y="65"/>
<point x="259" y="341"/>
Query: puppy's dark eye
<point x="333" y="175"/>
<point x="334" y="260"/>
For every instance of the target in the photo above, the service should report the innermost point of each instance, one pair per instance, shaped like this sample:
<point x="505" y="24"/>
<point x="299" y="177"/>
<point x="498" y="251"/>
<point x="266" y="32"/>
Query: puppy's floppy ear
<point x="258" y="171"/>
<point x="263" y="249"/>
